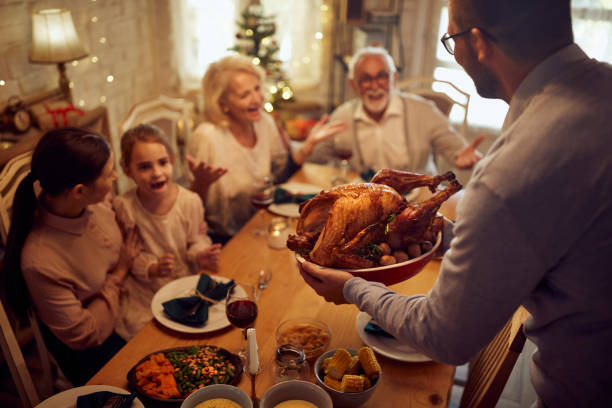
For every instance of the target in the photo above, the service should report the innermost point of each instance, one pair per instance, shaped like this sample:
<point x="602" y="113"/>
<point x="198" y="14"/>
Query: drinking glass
<point x="261" y="199"/>
<point x="241" y="310"/>
<point x="344" y="152"/>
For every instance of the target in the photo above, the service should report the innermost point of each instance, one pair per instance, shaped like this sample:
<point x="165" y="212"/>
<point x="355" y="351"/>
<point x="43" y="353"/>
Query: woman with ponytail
<point x="65" y="253"/>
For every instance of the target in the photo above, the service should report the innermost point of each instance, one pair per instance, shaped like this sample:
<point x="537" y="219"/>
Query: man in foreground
<point x="533" y="228"/>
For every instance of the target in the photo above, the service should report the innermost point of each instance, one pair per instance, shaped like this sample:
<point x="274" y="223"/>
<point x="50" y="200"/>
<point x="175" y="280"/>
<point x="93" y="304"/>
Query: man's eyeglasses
<point x="382" y="79"/>
<point x="449" y="42"/>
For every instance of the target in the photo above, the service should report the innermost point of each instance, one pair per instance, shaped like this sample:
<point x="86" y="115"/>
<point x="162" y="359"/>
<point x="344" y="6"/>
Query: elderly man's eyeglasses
<point x="449" y="40"/>
<point x="382" y="79"/>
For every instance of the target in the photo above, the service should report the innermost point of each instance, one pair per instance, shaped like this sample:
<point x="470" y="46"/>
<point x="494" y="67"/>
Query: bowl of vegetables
<point x="396" y="265"/>
<point x="218" y="396"/>
<point x="169" y="376"/>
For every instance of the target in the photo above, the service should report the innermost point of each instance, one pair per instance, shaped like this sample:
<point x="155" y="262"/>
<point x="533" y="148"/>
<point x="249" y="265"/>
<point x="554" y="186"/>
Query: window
<point x="205" y="29"/>
<point x="592" y="25"/>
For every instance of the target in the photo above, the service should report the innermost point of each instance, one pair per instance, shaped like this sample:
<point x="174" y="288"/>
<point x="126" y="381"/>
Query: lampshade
<point x="54" y="39"/>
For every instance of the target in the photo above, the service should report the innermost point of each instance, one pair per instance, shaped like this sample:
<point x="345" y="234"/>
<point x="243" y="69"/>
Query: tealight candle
<point x="278" y="232"/>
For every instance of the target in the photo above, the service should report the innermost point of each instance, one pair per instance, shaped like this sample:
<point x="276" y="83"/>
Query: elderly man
<point x="534" y="227"/>
<point x="392" y="130"/>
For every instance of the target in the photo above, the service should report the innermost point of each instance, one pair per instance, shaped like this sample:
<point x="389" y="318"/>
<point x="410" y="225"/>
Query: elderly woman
<point x="238" y="146"/>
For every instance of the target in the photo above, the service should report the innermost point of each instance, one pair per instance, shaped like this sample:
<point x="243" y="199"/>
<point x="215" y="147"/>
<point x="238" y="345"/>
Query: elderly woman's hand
<point x="327" y="282"/>
<point x="204" y="175"/>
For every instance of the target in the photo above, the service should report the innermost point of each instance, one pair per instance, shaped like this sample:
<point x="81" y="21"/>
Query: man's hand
<point x="327" y="282"/>
<point x="468" y="156"/>
<point x="209" y="258"/>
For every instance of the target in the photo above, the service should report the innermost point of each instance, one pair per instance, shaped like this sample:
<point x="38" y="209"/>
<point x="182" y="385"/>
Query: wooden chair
<point x="16" y="363"/>
<point x="10" y="177"/>
<point x="490" y="369"/>
<point x="173" y="116"/>
<point x="443" y="93"/>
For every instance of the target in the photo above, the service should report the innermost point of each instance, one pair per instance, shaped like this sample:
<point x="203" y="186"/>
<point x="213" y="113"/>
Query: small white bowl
<point x="295" y="390"/>
<point x="344" y="399"/>
<point x="218" y="391"/>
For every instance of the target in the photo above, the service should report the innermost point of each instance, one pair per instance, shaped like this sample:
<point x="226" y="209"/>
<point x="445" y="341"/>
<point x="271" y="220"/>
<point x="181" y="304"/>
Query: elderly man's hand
<point x="327" y="282"/>
<point x="469" y="156"/>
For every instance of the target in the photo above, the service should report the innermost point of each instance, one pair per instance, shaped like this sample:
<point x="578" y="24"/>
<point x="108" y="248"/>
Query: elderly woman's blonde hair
<point x="216" y="81"/>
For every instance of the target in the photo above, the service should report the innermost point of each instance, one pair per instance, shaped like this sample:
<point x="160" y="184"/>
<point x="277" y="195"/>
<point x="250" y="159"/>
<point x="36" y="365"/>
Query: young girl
<point x="171" y="223"/>
<point x="67" y="248"/>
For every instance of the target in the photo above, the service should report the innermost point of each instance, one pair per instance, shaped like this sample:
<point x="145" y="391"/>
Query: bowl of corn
<point x="349" y="376"/>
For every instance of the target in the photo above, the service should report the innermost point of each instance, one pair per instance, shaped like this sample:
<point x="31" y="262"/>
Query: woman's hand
<point x="319" y="132"/>
<point x="164" y="266"/>
<point x="209" y="258"/>
<point x="469" y="156"/>
<point x="204" y="176"/>
<point x="327" y="282"/>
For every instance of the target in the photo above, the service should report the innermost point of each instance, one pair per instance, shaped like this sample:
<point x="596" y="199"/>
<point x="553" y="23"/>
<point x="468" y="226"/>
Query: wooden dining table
<point x="403" y="384"/>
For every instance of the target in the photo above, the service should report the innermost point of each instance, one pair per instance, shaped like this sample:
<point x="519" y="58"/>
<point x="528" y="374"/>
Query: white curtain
<point x="203" y="32"/>
<point x="298" y="32"/>
<point x="205" y="29"/>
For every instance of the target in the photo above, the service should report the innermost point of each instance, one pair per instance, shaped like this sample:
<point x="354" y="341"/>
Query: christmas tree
<point x="255" y="40"/>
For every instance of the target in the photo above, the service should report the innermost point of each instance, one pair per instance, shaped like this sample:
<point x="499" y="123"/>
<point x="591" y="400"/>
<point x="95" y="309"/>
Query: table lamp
<point x="54" y="40"/>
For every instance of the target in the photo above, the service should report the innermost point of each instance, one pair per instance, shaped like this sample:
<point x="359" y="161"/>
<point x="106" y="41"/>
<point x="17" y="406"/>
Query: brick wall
<point x="128" y="40"/>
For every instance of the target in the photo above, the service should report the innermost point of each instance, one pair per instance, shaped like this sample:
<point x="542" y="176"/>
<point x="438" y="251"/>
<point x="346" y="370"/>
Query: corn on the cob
<point x="366" y="382"/>
<point x="332" y="383"/>
<point x="368" y="362"/>
<point x="353" y="368"/>
<point x="352" y="383"/>
<point x="339" y="363"/>
<point x="325" y="364"/>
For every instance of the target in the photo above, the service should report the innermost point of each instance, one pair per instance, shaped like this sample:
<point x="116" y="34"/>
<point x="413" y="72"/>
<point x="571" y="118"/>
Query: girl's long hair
<point x="62" y="159"/>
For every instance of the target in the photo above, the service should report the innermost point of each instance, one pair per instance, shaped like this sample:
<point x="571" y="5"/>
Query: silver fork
<point x="115" y="401"/>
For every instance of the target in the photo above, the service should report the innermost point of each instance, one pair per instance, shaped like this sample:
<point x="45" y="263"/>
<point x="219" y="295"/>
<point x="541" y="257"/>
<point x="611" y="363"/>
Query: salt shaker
<point x="290" y="364"/>
<point x="278" y="232"/>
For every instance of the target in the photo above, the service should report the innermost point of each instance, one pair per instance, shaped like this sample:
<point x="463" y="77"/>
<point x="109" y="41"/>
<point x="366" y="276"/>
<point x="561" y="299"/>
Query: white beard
<point x="378" y="105"/>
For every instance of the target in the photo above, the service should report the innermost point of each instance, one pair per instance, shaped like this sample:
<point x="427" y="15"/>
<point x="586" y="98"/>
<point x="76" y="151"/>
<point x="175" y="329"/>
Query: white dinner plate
<point x="387" y="346"/>
<point x="292" y="209"/>
<point x="68" y="398"/>
<point x="184" y="287"/>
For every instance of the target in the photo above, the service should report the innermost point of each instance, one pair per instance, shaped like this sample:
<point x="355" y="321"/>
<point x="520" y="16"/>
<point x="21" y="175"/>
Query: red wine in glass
<point x="344" y="154"/>
<point x="241" y="313"/>
<point x="262" y="200"/>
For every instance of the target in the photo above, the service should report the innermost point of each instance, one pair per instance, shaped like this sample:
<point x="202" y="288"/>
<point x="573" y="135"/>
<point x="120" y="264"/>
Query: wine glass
<point x="261" y="199"/>
<point x="241" y="309"/>
<point x="344" y="152"/>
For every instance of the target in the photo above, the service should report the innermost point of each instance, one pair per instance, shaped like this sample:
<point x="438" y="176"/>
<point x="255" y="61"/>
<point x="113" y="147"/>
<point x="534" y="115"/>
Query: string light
<point x="273" y="89"/>
<point x="102" y="40"/>
<point x="249" y="32"/>
<point x="324" y="7"/>
<point x="2" y="83"/>
<point x="81" y="103"/>
<point x="110" y="78"/>
<point x="268" y="107"/>
<point x="102" y="99"/>
<point x="75" y="63"/>
<point x="319" y="35"/>
<point x="94" y="59"/>
<point x="94" y="19"/>
<point x="256" y="61"/>
<point x="70" y="84"/>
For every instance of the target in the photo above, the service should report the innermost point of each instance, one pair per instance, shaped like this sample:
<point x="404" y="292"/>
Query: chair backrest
<point x="10" y="177"/>
<point x="490" y="369"/>
<point x="16" y="363"/>
<point x="173" y="116"/>
<point x="443" y="93"/>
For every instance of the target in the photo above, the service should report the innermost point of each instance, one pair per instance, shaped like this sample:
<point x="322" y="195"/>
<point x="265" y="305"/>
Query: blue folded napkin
<point x="367" y="174"/>
<point x="282" y="196"/>
<point x="98" y="399"/>
<point x="376" y="330"/>
<point x="178" y="309"/>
